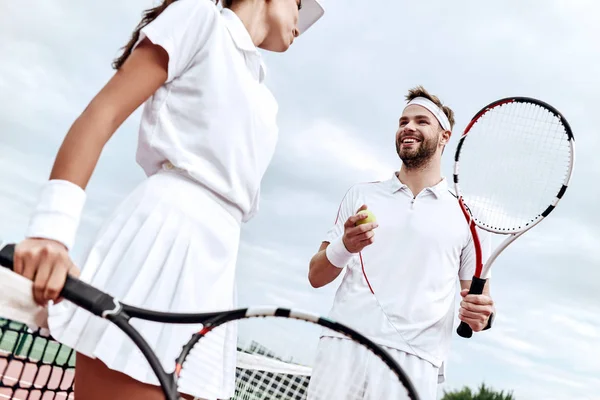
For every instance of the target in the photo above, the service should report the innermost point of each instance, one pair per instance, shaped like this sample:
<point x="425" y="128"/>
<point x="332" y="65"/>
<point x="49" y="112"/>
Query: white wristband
<point x="57" y="213"/>
<point x="337" y="254"/>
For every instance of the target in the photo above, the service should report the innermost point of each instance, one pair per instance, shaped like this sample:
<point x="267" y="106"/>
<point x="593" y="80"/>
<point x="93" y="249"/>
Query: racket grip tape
<point x="76" y="291"/>
<point x="477" y="285"/>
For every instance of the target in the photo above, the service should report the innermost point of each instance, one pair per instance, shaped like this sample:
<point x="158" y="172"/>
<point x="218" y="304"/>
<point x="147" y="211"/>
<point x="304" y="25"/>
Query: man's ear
<point x="446" y="137"/>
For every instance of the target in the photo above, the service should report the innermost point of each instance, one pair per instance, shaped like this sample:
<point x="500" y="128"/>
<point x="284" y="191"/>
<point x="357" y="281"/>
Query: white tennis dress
<point x="206" y="138"/>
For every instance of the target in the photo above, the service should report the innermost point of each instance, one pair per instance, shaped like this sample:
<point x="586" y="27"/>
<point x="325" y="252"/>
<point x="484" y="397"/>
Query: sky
<point x="341" y="91"/>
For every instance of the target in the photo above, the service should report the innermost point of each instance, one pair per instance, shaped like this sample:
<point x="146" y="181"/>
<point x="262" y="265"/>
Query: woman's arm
<point x="141" y="75"/>
<point x="44" y="258"/>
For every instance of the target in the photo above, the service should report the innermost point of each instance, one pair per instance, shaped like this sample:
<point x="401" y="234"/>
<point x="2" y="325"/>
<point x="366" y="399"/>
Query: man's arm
<point x="330" y="260"/>
<point x="476" y="310"/>
<point x="321" y="272"/>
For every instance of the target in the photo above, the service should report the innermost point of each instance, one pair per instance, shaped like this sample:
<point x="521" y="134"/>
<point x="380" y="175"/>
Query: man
<point x="402" y="270"/>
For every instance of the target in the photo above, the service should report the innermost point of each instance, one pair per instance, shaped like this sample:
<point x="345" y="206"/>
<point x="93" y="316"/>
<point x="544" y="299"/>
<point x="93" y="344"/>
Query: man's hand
<point x="475" y="310"/>
<point x="358" y="237"/>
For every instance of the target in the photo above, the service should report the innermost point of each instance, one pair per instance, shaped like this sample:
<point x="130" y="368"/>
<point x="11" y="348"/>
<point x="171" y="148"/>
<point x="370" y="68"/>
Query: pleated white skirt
<point x="169" y="246"/>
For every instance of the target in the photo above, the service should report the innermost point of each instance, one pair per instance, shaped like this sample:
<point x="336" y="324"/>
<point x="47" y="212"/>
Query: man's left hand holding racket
<point x="476" y="309"/>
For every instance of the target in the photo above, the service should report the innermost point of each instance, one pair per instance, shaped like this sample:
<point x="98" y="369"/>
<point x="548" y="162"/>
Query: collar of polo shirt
<point x="242" y="38"/>
<point x="437" y="189"/>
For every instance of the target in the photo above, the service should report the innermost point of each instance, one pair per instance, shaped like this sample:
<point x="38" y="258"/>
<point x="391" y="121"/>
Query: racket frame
<point x="478" y="283"/>
<point x="106" y="306"/>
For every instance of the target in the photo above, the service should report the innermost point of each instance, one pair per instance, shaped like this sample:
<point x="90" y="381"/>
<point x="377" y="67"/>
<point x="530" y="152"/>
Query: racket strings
<point x="290" y="359"/>
<point x="513" y="163"/>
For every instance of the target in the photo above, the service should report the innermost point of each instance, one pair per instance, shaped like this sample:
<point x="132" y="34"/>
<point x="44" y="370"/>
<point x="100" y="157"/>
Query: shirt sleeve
<point x="346" y="209"/>
<point x="182" y="29"/>
<point x="467" y="258"/>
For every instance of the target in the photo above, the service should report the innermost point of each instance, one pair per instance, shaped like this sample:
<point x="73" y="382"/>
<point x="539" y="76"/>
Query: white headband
<point x="434" y="109"/>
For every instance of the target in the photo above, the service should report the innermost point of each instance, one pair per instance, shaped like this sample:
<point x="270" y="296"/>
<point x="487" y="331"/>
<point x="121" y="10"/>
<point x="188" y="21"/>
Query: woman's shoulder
<point x="183" y="29"/>
<point x="192" y="10"/>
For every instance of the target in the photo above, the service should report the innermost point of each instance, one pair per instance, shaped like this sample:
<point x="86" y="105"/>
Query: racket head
<point x="513" y="164"/>
<point x="321" y="384"/>
<point x="337" y="365"/>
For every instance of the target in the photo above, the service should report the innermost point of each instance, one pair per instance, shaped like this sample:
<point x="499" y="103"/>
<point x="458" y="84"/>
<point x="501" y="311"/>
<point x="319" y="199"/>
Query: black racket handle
<point x="477" y="284"/>
<point x="76" y="291"/>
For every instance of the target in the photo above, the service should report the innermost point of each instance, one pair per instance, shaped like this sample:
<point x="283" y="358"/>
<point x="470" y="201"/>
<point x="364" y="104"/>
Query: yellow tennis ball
<point x="370" y="217"/>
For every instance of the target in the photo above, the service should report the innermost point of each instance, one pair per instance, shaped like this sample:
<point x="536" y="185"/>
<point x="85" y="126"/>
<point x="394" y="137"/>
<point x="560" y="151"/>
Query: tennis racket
<point x="513" y="164"/>
<point x="332" y="379"/>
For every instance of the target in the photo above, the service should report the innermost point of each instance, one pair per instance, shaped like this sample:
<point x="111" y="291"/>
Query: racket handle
<point x="76" y="291"/>
<point x="477" y="284"/>
<point x="7" y="254"/>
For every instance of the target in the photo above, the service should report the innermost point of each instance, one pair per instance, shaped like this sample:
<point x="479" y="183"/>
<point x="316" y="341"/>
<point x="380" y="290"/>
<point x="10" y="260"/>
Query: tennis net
<point x="33" y="366"/>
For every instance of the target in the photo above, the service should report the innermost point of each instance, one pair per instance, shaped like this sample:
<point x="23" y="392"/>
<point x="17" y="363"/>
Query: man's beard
<point x="418" y="156"/>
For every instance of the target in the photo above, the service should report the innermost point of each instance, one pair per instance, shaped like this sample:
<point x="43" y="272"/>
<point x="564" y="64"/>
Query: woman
<point x="207" y="135"/>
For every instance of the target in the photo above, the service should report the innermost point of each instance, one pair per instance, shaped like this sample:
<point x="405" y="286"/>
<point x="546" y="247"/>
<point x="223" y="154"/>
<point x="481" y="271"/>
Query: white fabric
<point x="337" y="254"/>
<point x="172" y="244"/>
<point x="255" y="362"/>
<point x="421" y="247"/>
<point x="310" y="13"/>
<point x="17" y="302"/>
<point x="358" y="373"/>
<point x="434" y="109"/>
<point x="57" y="212"/>
<point x="214" y="117"/>
<point x="169" y="246"/>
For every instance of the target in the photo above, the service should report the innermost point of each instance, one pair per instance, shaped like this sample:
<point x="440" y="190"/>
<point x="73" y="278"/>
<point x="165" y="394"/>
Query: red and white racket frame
<point x="478" y="283"/>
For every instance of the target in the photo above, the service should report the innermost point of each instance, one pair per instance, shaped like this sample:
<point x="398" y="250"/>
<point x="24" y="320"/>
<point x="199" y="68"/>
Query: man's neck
<point x="420" y="178"/>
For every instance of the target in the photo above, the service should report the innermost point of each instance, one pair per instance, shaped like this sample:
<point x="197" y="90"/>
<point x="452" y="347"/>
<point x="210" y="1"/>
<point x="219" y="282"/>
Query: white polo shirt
<point x="402" y="294"/>
<point x="214" y="117"/>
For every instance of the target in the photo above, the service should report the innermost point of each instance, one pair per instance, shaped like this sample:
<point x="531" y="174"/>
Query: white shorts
<point x="358" y="374"/>
<point x="170" y="246"/>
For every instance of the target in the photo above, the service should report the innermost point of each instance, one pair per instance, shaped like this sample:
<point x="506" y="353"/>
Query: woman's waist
<point x="190" y="192"/>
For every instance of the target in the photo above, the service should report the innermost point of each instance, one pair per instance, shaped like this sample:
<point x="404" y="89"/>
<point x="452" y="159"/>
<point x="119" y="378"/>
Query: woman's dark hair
<point x="147" y="17"/>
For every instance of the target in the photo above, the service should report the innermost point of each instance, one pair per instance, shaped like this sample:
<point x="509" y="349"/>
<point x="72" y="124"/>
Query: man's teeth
<point x="409" y="141"/>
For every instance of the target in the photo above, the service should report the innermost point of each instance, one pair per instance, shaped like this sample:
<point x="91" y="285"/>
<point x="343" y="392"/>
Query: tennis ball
<point x="370" y="217"/>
